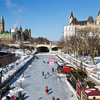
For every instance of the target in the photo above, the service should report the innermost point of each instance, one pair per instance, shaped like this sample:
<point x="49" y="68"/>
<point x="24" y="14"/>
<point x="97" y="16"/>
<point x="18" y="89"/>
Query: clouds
<point x="19" y="10"/>
<point x="15" y="25"/>
<point x="16" y="11"/>
<point x="9" y="4"/>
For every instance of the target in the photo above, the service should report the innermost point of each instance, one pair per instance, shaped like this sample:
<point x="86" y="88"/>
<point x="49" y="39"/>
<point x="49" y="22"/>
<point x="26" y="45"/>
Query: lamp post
<point x="81" y="65"/>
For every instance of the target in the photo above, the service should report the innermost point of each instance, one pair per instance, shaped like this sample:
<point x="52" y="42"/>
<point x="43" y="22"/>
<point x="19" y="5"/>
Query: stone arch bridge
<point x="40" y="47"/>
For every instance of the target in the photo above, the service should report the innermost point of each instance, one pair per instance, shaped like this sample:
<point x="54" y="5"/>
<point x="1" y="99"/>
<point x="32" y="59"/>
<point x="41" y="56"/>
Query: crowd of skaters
<point x="47" y="90"/>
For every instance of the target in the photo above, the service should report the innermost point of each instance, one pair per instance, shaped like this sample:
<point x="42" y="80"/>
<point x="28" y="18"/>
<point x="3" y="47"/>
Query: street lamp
<point x="81" y="65"/>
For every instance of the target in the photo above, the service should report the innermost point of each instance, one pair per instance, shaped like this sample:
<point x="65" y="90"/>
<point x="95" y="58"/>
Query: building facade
<point x="13" y="34"/>
<point x="88" y="93"/>
<point x="76" y="26"/>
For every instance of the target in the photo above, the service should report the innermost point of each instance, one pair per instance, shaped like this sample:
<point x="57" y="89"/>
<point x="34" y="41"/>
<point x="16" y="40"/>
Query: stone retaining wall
<point x="10" y="78"/>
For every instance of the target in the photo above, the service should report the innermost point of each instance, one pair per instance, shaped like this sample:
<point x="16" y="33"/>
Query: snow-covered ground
<point x="22" y="58"/>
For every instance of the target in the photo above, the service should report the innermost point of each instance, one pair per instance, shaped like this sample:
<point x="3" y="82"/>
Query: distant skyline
<point x="46" y="18"/>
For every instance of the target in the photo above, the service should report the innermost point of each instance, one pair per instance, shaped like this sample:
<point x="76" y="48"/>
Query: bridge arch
<point x="42" y="48"/>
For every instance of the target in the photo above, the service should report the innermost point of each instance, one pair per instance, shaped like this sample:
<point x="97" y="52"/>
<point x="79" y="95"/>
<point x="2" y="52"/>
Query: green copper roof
<point x="7" y="34"/>
<point x="16" y="29"/>
<point x="21" y="33"/>
<point x="2" y="19"/>
<point x="13" y="33"/>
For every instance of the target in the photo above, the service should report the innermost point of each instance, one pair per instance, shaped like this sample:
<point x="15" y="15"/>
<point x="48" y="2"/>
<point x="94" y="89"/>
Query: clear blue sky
<point x="46" y="18"/>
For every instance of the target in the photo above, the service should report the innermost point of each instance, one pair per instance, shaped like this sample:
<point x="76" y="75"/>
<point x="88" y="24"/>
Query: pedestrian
<point x="53" y="98"/>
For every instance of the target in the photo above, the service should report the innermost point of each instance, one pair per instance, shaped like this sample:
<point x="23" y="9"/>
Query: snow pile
<point x="14" y="66"/>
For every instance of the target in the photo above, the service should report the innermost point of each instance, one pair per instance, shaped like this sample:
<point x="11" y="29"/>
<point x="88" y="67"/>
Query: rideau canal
<point x="34" y="83"/>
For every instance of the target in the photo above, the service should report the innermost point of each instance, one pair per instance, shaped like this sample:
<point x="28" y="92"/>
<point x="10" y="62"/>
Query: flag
<point x="90" y="15"/>
<point x="79" y="82"/>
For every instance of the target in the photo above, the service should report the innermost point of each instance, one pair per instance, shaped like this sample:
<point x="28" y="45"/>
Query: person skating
<point x="45" y="76"/>
<point x="46" y="87"/>
<point x="47" y="91"/>
<point x="53" y="98"/>
<point x="72" y="94"/>
<point x="48" y="73"/>
<point x="57" y="99"/>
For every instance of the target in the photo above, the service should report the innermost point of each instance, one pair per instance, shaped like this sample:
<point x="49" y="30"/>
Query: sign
<point x="51" y="60"/>
<point x="79" y="82"/>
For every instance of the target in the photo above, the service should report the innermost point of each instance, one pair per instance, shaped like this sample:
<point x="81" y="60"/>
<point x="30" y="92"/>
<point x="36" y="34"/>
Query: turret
<point x="29" y="33"/>
<point x="99" y="14"/>
<point x="71" y="18"/>
<point x="2" y="19"/>
<point x="2" y="24"/>
<point x="20" y="28"/>
<point x="98" y="19"/>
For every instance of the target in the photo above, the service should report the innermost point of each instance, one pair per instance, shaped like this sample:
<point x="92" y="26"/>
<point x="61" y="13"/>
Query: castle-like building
<point x="89" y="21"/>
<point x="13" y="34"/>
<point x="74" y="26"/>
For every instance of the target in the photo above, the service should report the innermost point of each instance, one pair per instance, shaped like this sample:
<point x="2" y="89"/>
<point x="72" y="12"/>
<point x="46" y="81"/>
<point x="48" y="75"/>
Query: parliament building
<point x="13" y="34"/>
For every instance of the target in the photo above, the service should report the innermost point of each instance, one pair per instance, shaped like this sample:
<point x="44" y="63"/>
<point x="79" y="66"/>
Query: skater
<point x="48" y="73"/>
<point x="72" y="94"/>
<point x="46" y="87"/>
<point x="45" y="76"/>
<point x="47" y="91"/>
<point x="44" y="61"/>
<point x="53" y="98"/>
<point x="58" y="99"/>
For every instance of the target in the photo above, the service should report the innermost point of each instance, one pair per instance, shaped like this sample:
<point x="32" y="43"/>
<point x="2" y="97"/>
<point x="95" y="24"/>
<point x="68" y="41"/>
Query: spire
<point x="99" y="13"/>
<point x="2" y="19"/>
<point x="71" y="14"/>
<point x="20" y="28"/>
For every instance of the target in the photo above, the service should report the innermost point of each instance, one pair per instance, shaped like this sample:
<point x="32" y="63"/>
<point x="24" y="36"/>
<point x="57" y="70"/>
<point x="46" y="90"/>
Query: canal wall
<point x="14" y="74"/>
<point x="6" y="58"/>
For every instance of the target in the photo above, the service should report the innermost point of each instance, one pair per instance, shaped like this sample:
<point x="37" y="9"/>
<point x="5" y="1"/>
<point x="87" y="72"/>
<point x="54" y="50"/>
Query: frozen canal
<point x="34" y="83"/>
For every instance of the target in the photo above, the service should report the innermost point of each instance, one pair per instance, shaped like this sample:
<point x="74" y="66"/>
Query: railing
<point x="75" y="61"/>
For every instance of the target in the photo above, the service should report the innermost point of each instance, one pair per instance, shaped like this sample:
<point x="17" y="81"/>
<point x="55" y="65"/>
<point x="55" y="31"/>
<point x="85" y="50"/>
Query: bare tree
<point x="92" y="43"/>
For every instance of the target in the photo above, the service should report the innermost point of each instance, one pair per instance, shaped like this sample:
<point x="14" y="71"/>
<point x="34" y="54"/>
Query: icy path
<point x="34" y="83"/>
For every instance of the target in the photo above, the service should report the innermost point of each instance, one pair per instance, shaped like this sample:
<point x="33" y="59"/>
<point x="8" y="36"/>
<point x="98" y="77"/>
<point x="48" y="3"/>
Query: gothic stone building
<point x="17" y="35"/>
<point x="76" y="26"/>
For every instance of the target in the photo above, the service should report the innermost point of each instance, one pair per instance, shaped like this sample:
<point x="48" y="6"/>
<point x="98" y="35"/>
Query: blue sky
<point x="46" y="18"/>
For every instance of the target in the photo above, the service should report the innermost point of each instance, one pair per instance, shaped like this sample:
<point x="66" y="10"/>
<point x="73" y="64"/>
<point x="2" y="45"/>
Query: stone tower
<point x="98" y="19"/>
<point x="2" y="24"/>
<point x="29" y="33"/>
<point x="71" y="18"/>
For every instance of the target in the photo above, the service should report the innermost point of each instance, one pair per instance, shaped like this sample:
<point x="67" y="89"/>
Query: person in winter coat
<point x="53" y="98"/>
<point x="58" y="99"/>
<point x="47" y="91"/>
